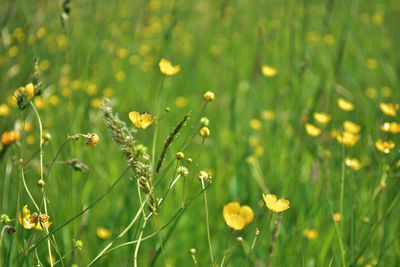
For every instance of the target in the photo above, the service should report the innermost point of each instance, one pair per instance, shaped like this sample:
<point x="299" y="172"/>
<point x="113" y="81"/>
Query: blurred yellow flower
<point x="345" y="105"/>
<point x="181" y="102"/>
<point x="310" y="233"/>
<point x="167" y="68"/>
<point x="391" y="127"/>
<point x="384" y="146"/>
<point x="29" y="221"/>
<point x="312" y="130"/>
<point x="141" y="120"/>
<point x="103" y="233"/>
<point x="268" y="115"/>
<point x="348" y="138"/>
<point x="92" y="139"/>
<point x="337" y="217"/>
<point x="255" y="124"/>
<point x="4" y="110"/>
<point x="8" y="138"/>
<point x="351" y="127"/>
<point x="274" y="204"/>
<point x="353" y="163"/>
<point x="236" y="216"/>
<point x="208" y="96"/>
<point x="371" y="63"/>
<point x="268" y="71"/>
<point x="389" y="109"/>
<point x="322" y="118"/>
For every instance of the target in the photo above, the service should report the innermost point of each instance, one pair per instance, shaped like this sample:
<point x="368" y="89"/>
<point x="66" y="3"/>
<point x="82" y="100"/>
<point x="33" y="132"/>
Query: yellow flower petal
<point x="389" y="109"/>
<point x="322" y="118"/>
<point x="345" y="105"/>
<point x="167" y="68"/>
<point x="312" y="130"/>
<point x="351" y="127"/>
<point x="268" y="71"/>
<point x="276" y="205"/>
<point x="141" y="120"/>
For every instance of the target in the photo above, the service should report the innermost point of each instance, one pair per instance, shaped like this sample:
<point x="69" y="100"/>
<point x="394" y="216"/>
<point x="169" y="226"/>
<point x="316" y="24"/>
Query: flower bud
<point x="204" y="121"/>
<point x="41" y="183"/>
<point x="203" y="175"/>
<point x="204" y="132"/>
<point x="179" y="155"/>
<point x="208" y="96"/>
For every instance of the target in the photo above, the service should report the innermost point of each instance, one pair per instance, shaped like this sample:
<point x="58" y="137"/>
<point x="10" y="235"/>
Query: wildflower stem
<point x="207" y="223"/>
<point x="153" y="149"/>
<point x="195" y="167"/>
<point x="342" y="169"/>
<point x="58" y="153"/>
<point x="41" y="175"/>
<point x="138" y="242"/>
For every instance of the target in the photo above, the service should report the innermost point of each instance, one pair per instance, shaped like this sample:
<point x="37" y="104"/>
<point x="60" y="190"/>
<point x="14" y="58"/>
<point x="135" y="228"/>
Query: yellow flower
<point x="351" y="127"/>
<point x="236" y="216"/>
<point x="167" y="68"/>
<point x="384" y="146"/>
<point x="268" y="115"/>
<point x="389" y="109"/>
<point x="29" y="90"/>
<point x="337" y="217"/>
<point x="208" y="96"/>
<point x="92" y="139"/>
<point x="204" y="132"/>
<point x="29" y="221"/>
<point x="391" y="127"/>
<point x="348" y="138"/>
<point x="255" y="124"/>
<point x="4" y="110"/>
<point x="141" y="120"/>
<point x="310" y="233"/>
<point x="353" y="163"/>
<point x="268" y="71"/>
<point x="103" y="233"/>
<point x="322" y="118"/>
<point x="181" y="102"/>
<point x="312" y="130"/>
<point x="274" y="204"/>
<point x="371" y="63"/>
<point x="345" y="105"/>
<point x="8" y="138"/>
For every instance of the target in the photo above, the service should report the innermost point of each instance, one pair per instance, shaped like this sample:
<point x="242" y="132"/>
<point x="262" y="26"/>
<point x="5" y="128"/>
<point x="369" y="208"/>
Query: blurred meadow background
<point x="304" y="105"/>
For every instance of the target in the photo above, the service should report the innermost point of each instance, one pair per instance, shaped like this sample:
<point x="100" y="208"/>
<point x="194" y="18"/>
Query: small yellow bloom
<point x="208" y="96"/>
<point x="310" y="233"/>
<point x="337" y="217"/>
<point x="391" y="127"/>
<point x="8" y="138"/>
<point x="268" y="115"/>
<point x="274" y="204"/>
<point x="389" y="109"/>
<point x="345" y="105"/>
<point x="322" y="118"/>
<point x="353" y="163"/>
<point x="384" y="146"/>
<point x="268" y="71"/>
<point x="236" y="216"/>
<point x="203" y="175"/>
<point x="351" y="127"/>
<point x="371" y="63"/>
<point x="382" y="185"/>
<point x="29" y="221"/>
<point x="181" y="102"/>
<point x="4" y="110"/>
<point x="255" y="124"/>
<point x="204" y="132"/>
<point x="103" y="233"/>
<point x="92" y="139"/>
<point x="167" y="68"/>
<point x="312" y="130"/>
<point x="141" y="120"/>
<point x="348" y="139"/>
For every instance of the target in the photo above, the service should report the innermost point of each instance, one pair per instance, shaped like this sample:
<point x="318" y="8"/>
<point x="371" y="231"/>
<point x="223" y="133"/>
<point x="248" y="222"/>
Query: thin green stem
<point x="207" y="223"/>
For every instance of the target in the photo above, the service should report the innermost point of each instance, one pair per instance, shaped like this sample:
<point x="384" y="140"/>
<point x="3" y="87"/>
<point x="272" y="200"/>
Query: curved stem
<point x="207" y="223"/>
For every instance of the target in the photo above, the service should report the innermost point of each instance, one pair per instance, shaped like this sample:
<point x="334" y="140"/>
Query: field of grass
<point x="304" y="106"/>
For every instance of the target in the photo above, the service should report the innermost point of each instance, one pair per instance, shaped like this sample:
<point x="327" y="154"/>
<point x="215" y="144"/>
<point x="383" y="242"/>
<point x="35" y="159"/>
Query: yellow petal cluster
<point x="268" y="71"/>
<point x="353" y="163"/>
<point x="389" y="109"/>
<point x="312" y="130"/>
<point x="275" y="204"/>
<point x="310" y="233"/>
<point x="29" y="221"/>
<point x="351" y="127"/>
<point x="322" y="117"/>
<point x="391" y="127"/>
<point x="167" y="68"/>
<point x="141" y="120"/>
<point x="347" y="138"/>
<point x="236" y="216"/>
<point x="345" y="105"/>
<point x="384" y="147"/>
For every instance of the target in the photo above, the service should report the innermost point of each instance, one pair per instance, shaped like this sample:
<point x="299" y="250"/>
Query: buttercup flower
<point x="29" y="221"/>
<point x="92" y="139"/>
<point x="141" y="120"/>
<point x="8" y="138"/>
<point x="236" y="216"/>
<point x="275" y="204"/>
<point x="353" y="163"/>
<point x="312" y="130"/>
<point x="389" y="109"/>
<point x="347" y="138"/>
<point x="310" y="233"/>
<point x="208" y="96"/>
<point x="391" y="127"/>
<point x="268" y="115"/>
<point x="351" y="127"/>
<point x="384" y="146"/>
<point x="103" y="233"/>
<point x="4" y="110"/>
<point x="268" y="71"/>
<point x="204" y="132"/>
<point x="167" y="68"/>
<point x="345" y="105"/>
<point x="337" y="217"/>
<point x="322" y="118"/>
